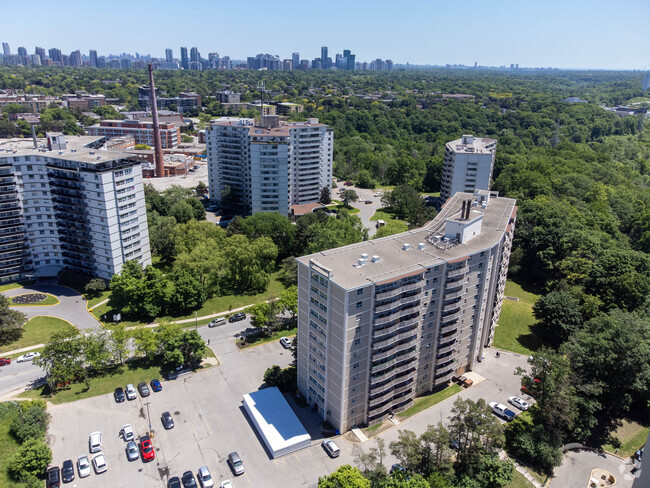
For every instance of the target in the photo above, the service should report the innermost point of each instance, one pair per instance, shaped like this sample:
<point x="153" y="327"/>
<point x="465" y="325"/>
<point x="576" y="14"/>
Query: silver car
<point x="204" y="477"/>
<point x="99" y="462"/>
<point x="130" y="392"/>
<point x="132" y="452"/>
<point x="83" y="466"/>
<point x="235" y="463"/>
<point x="518" y="402"/>
<point x="95" y="442"/>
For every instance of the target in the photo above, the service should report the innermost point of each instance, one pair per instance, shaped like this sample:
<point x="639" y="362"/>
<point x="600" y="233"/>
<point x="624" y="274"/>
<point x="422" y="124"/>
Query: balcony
<point x="390" y="337"/>
<point x="396" y="303"/>
<point x="449" y="308"/>
<point x="448" y="335"/>
<point x="438" y="380"/>
<point x="446" y="347"/>
<point x="457" y="272"/>
<point x="459" y="291"/>
<point x="399" y="290"/>
<point x="451" y="316"/>
<point x="395" y="370"/>
<point x="388" y="381"/>
<point x="391" y="395"/>
<point x="376" y="356"/>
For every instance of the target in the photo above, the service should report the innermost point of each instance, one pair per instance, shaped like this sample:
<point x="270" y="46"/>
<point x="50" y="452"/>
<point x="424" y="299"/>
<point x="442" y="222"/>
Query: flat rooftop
<point x="471" y="144"/>
<point x="75" y="150"/>
<point x="259" y="130"/>
<point x="395" y="261"/>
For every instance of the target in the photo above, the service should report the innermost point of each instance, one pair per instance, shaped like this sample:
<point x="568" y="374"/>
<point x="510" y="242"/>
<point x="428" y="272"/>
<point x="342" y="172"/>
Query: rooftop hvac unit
<point x="364" y="256"/>
<point x="406" y="247"/>
<point x="375" y="259"/>
<point x="421" y="246"/>
<point x="361" y="262"/>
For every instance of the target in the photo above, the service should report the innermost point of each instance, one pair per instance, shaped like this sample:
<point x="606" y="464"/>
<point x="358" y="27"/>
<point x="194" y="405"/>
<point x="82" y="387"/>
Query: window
<point x="357" y="342"/>
<point x="359" y="304"/>
<point x="356" y="366"/>
<point x="360" y="291"/>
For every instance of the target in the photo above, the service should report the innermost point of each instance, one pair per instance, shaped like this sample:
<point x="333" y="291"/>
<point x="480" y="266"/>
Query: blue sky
<point x="565" y="34"/>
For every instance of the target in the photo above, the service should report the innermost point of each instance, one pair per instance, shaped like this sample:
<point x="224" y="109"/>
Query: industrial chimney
<point x="158" y="154"/>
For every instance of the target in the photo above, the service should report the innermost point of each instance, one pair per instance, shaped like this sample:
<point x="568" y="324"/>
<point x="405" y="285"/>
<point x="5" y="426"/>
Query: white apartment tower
<point x="467" y="166"/>
<point x="68" y="205"/>
<point x="268" y="166"/>
<point x="386" y="320"/>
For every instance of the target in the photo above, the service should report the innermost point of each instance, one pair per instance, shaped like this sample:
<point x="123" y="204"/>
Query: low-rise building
<point x="142" y="132"/>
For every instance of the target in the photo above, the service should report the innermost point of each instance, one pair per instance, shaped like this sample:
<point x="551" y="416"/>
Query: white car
<point x="83" y="466"/>
<point x="130" y="392"/>
<point x="226" y="484"/>
<point x="204" y="477"/>
<point x="330" y="446"/>
<point x="286" y="342"/>
<point x="502" y="411"/>
<point x="127" y="433"/>
<point x="518" y="402"/>
<point x="378" y="194"/>
<point x="95" y="442"/>
<point x="27" y="357"/>
<point x="99" y="462"/>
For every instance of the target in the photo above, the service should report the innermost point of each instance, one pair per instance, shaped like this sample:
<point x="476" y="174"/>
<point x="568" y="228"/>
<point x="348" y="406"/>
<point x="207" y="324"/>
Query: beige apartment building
<point x="386" y="320"/>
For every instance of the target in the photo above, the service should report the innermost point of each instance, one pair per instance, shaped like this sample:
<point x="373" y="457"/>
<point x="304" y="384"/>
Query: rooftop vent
<point x="61" y="153"/>
<point x="364" y="256"/>
<point x="361" y="262"/>
<point x="421" y="246"/>
<point x="375" y="259"/>
<point x="406" y="247"/>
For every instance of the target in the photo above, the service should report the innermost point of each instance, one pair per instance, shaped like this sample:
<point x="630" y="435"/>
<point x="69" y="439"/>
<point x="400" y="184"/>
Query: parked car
<point x="127" y="433"/>
<point x="235" y="463"/>
<point x="83" y="466"/>
<point x="217" y="322"/>
<point x="119" y="395"/>
<point x="156" y="385"/>
<point x="146" y="449"/>
<point x="167" y="420"/>
<point x="67" y="471"/>
<point x="332" y="449"/>
<point x="130" y="392"/>
<point x="143" y="389"/>
<point x="368" y="202"/>
<point x="132" y="452"/>
<point x="99" y="463"/>
<point x="30" y="356"/>
<point x="348" y="183"/>
<point x="237" y="317"/>
<point x="286" y="342"/>
<point x="518" y="402"/>
<point x="378" y="194"/>
<point x="95" y="442"/>
<point x="188" y="480"/>
<point x="205" y="478"/>
<point x="226" y="484"/>
<point x="174" y="482"/>
<point x="53" y="477"/>
<point x="5" y="361"/>
<point x="502" y="411"/>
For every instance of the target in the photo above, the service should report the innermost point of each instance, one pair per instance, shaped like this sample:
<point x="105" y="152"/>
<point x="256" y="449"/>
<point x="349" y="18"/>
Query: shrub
<point x="31" y="459"/>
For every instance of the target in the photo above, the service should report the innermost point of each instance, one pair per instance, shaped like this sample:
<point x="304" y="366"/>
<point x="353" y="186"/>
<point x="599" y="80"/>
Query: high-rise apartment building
<point x="467" y="166"/>
<point x="6" y="50"/>
<point x="386" y="320"/>
<point x="22" y="52"/>
<point x="169" y="55"/>
<point x="55" y="55"/>
<point x="194" y="55"/>
<point x="269" y="166"/>
<point x="66" y="205"/>
<point x="185" y="60"/>
<point x="295" y="61"/>
<point x="92" y="58"/>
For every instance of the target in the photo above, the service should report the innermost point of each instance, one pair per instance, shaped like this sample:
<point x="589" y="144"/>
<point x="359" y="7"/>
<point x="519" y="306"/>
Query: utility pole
<point x="148" y="416"/>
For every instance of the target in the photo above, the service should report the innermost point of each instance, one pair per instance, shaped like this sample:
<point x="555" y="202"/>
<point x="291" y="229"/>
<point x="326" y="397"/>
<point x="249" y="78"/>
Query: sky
<point x="595" y="34"/>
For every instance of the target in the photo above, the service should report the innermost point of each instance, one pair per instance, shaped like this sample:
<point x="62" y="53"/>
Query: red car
<point x="5" y="361"/>
<point x="146" y="449"/>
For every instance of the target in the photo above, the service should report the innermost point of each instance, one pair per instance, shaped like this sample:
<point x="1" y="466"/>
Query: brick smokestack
<point x="158" y="153"/>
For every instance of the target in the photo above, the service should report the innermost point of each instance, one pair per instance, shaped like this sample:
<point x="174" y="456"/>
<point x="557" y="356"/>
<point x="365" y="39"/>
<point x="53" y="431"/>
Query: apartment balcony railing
<point x="398" y="290"/>
<point x="444" y="378"/>
<point x="451" y="316"/>
<point x="457" y="272"/>
<point x="394" y="371"/>
<point x="398" y="350"/>
<point x="450" y="308"/>
<point x="394" y="336"/>
<point x="389" y="381"/>
<point x="449" y="295"/>
<point x="390" y="395"/>
<point x="448" y="346"/>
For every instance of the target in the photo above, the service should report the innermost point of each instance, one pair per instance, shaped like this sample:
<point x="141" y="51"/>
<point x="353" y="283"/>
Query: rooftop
<point x="260" y="130"/>
<point x="75" y="149"/>
<point x="471" y="144"/>
<point x="414" y="250"/>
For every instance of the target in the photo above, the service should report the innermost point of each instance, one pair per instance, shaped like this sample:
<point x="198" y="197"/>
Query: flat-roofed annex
<point x="395" y="261"/>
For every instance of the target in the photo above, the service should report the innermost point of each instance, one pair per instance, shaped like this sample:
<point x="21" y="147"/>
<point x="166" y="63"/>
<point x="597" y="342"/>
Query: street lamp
<point x="148" y="416"/>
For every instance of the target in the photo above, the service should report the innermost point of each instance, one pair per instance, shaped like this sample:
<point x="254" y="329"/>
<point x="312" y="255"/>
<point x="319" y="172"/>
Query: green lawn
<point x="132" y="372"/>
<point x="36" y="331"/>
<point x="424" y="402"/>
<point x="632" y="436"/>
<point x="102" y="296"/>
<point x="49" y="300"/>
<point x="13" y="286"/>
<point x="273" y="337"/>
<point x="7" y="443"/>
<point x="213" y="305"/>
<point x="515" y="330"/>
<point x="518" y="481"/>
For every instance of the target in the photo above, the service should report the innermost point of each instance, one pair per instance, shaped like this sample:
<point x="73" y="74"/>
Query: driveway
<point x="72" y="306"/>
<point x="577" y="465"/>
<point x="366" y="210"/>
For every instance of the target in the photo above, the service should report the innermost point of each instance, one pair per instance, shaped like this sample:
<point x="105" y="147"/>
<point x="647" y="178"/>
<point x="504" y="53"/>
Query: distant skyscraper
<point x="323" y="58"/>
<point x="41" y="52"/>
<point x="467" y="166"/>
<point x="349" y="60"/>
<point x="55" y="54"/>
<point x="36" y="59"/>
<point x="22" y="52"/>
<point x="185" y="61"/>
<point x="169" y="56"/>
<point x="194" y="55"/>
<point x="5" y="49"/>
<point x="75" y="58"/>
<point x="295" y="60"/>
<point x="92" y="55"/>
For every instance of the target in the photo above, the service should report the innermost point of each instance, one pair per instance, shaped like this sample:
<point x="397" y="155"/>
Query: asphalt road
<point x="577" y="465"/>
<point x="366" y="210"/>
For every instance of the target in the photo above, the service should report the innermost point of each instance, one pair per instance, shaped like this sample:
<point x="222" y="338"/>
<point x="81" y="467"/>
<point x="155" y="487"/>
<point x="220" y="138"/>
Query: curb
<point x="35" y="304"/>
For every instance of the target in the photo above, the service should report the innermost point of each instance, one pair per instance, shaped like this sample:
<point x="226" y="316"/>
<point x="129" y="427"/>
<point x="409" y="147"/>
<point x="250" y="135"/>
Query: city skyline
<point x="576" y="35"/>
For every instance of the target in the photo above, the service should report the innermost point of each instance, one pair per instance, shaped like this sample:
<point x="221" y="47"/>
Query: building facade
<point x="142" y="132"/>
<point x="270" y="166"/>
<point x="467" y="166"/>
<point x="386" y="320"/>
<point x="69" y="206"/>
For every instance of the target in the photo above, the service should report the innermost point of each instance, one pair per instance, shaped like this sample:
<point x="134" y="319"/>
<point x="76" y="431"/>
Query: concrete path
<point x="577" y="465"/>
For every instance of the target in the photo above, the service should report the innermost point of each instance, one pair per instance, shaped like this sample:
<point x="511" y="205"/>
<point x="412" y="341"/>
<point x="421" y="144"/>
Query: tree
<point x="325" y="196"/>
<point x="119" y="341"/>
<point x="188" y="294"/>
<point x="407" y="204"/>
<point x="331" y="233"/>
<point x="371" y="463"/>
<point x="161" y="237"/>
<point x="288" y="300"/>
<point x="392" y="227"/>
<point x="31" y="423"/>
<point x="349" y="196"/>
<point x="190" y="344"/>
<point x="94" y="287"/>
<point x="97" y="349"/>
<point x="272" y="225"/>
<point x="424" y="454"/>
<point x="286" y="380"/>
<point x="62" y="358"/>
<point x="264" y="314"/>
<point x="11" y="322"/>
<point x="182" y="212"/>
<point x="197" y="207"/>
<point x="559" y="314"/>
<point x="146" y="343"/>
<point x="289" y="271"/>
<point x="344" y="477"/>
<point x="32" y="458"/>
<point x="532" y="444"/>
<point x="142" y="147"/>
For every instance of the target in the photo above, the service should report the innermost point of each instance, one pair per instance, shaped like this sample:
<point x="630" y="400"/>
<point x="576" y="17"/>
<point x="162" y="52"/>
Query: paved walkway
<point x="577" y="466"/>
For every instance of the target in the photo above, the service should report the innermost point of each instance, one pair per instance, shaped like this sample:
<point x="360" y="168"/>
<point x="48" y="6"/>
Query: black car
<point x="237" y="317"/>
<point x="67" y="472"/>
<point x="189" y="481"/>
<point x="167" y="420"/>
<point x="119" y="395"/>
<point x="174" y="482"/>
<point x="53" y="477"/>
<point x="143" y="389"/>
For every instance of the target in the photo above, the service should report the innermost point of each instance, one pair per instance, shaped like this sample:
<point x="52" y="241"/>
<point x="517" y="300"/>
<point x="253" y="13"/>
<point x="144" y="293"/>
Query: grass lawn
<point x="515" y="331"/>
<point x="424" y="402"/>
<point x="102" y="296"/>
<point x="383" y="214"/>
<point x="133" y="372"/>
<point x="36" y="331"/>
<point x="13" y="286"/>
<point x="431" y="194"/>
<point x="518" y="481"/>
<point x="632" y="436"/>
<point x="343" y="208"/>
<point x="213" y="305"/>
<point x="273" y="337"/>
<point x="49" y="300"/>
<point x="7" y="443"/>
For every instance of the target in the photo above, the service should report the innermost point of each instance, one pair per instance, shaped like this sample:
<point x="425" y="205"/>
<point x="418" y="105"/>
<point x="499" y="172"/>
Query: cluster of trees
<point x="28" y="422"/>
<point x="462" y="455"/>
<point x="408" y="205"/>
<point x="285" y="379"/>
<point x="11" y="322"/>
<point x="272" y="313"/>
